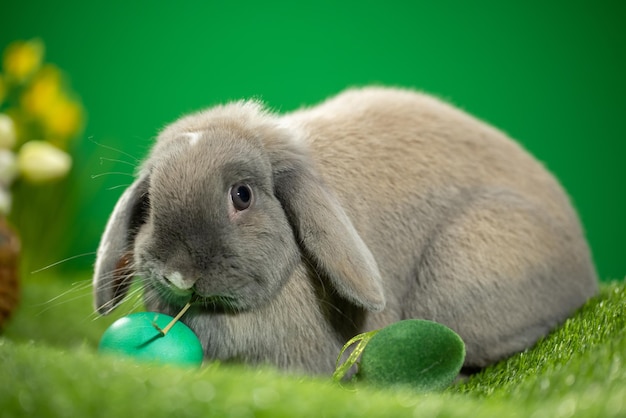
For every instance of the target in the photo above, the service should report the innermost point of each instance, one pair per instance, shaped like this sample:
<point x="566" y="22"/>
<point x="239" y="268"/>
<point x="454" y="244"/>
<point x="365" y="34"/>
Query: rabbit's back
<point x="390" y="153"/>
<point x="419" y="145"/>
<point x="418" y="177"/>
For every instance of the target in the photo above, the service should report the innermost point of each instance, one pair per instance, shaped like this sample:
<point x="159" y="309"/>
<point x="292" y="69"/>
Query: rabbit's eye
<point x="241" y="195"/>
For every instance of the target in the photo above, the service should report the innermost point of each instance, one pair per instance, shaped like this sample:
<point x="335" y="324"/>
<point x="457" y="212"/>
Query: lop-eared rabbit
<point x="292" y="233"/>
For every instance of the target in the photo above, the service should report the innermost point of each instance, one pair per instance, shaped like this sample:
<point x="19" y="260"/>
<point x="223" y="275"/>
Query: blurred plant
<point x="39" y="116"/>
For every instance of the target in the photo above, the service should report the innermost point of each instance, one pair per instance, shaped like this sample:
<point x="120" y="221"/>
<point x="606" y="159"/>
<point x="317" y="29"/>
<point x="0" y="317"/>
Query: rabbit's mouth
<point x="217" y="303"/>
<point x="212" y="303"/>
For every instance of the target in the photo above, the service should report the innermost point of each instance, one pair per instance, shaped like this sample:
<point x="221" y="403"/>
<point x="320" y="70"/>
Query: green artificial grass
<point x="49" y="367"/>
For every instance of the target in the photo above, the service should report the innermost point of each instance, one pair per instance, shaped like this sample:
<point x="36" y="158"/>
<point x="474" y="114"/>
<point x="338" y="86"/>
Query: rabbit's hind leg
<point x="502" y="273"/>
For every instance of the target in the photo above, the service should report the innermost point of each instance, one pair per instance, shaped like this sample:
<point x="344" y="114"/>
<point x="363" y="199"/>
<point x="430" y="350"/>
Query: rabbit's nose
<point x="179" y="281"/>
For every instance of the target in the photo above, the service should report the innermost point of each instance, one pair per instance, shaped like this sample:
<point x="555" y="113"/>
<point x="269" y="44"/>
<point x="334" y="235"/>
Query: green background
<point x="551" y="74"/>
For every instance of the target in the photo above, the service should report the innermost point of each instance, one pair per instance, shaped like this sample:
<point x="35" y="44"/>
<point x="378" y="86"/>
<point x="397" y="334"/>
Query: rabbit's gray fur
<point x="375" y="206"/>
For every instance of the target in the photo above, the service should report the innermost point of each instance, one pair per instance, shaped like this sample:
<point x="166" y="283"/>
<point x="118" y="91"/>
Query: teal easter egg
<point x="420" y="354"/>
<point x="136" y="336"/>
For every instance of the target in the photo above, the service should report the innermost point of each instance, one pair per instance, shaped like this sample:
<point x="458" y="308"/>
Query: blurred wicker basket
<point x="9" y="271"/>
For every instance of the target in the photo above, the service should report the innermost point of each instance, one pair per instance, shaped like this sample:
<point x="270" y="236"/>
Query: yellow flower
<point x="43" y="91"/>
<point x="7" y="131"/>
<point x="63" y="120"/>
<point x="40" y="161"/>
<point x="46" y="100"/>
<point x="22" y="58"/>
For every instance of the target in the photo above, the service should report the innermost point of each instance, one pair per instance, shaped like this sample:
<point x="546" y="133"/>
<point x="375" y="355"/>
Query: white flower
<point x="8" y="167"/>
<point x="7" y="131"/>
<point x="40" y="161"/>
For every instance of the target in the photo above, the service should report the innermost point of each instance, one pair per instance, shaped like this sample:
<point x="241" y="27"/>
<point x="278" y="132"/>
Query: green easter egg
<point x="136" y="336"/>
<point x="424" y="355"/>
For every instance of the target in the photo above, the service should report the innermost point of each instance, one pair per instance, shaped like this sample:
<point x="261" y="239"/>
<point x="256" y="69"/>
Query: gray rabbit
<point x="293" y="233"/>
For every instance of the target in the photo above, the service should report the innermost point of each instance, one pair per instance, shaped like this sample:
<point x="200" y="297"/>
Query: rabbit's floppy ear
<point x="326" y="234"/>
<point x="113" y="269"/>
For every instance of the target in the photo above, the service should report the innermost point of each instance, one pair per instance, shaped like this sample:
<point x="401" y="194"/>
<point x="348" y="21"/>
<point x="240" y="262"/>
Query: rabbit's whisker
<point x="114" y="149"/>
<point x="109" y="173"/>
<point x="56" y="263"/>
